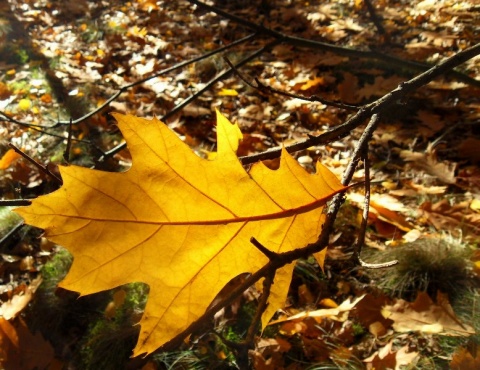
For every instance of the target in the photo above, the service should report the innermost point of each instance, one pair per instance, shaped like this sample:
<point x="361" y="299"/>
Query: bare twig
<point x="268" y="90"/>
<point x="385" y="102"/>
<point x="66" y="153"/>
<point x="373" y="15"/>
<point x="255" y="324"/>
<point x="39" y="128"/>
<point x="312" y="44"/>
<point x="207" y="86"/>
<point x="8" y="118"/>
<point x="40" y="166"/>
<point x="15" y="202"/>
<point x="267" y="252"/>
<point x="312" y="98"/>
<point x="357" y="247"/>
<point x="5" y="238"/>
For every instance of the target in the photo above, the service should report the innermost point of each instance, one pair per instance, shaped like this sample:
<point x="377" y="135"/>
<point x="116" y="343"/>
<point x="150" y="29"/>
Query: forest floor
<point x="62" y="60"/>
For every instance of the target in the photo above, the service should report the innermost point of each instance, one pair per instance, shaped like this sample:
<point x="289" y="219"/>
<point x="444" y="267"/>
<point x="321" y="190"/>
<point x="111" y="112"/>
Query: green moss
<point x="8" y="220"/>
<point x="358" y="329"/>
<point x="55" y="270"/>
<point x="109" y="342"/>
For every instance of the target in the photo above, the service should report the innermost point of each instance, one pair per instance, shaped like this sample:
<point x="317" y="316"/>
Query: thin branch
<point x="40" y="166"/>
<point x="255" y="324"/>
<point x="124" y="88"/>
<point x="373" y="16"/>
<point x="207" y="86"/>
<point x="66" y="153"/>
<point x="267" y="252"/>
<point x="262" y="88"/>
<point x="312" y="98"/>
<point x="158" y="74"/>
<point x="262" y="306"/>
<point x="311" y="44"/>
<point x="357" y="248"/>
<point x="38" y="128"/>
<point x="377" y="106"/>
<point x="5" y="238"/>
<point x="15" y="202"/>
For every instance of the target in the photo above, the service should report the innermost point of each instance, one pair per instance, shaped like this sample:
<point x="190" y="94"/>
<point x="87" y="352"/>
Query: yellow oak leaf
<point x="180" y="223"/>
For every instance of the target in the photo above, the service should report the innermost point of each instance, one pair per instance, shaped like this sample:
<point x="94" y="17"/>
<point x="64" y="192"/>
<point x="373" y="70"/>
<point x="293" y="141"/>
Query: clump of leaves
<point x="428" y="265"/>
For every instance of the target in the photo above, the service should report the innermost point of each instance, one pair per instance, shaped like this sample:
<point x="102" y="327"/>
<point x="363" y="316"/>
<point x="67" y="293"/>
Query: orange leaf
<point x="426" y="316"/>
<point x="463" y="359"/>
<point x="8" y="158"/>
<point x="22" y="350"/>
<point x="180" y="223"/>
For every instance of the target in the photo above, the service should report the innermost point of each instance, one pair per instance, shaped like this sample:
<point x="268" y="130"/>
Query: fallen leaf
<point x="337" y="313"/>
<point x="368" y="311"/>
<point x="428" y="162"/>
<point x="425" y="316"/>
<point x="11" y="308"/>
<point x="8" y="158"/>
<point x="453" y="218"/>
<point x="386" y="358"/>
<point x="180" y="223"/>
<point x="22" y="350"/>
<point x="384" y="207"/>
<point x="463" y="359"/>
<point x="468" y="149"/>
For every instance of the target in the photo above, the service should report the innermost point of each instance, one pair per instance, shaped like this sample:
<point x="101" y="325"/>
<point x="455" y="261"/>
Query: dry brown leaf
<point x="380" y="87"/>
<point x="384" y="207"/>
<point x="11" y="308"/>
<point x="386" y="358"/>
<point x="348" y="88"/>
<point x="22" y="350"/>
<point x="468" y="149"/>
<point x="339" y="313"/>
<point x="431" y="123"/>
<point x="425" y="316"/>
<point x="415" y="189"/>
<point x="463" y="359"/>
<point x="454" y="219"/>
<point x="368" y="311"/>
<point x="428" y="162"/>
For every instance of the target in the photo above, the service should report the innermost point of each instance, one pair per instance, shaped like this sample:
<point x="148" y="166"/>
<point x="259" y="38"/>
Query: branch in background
<point x="262" y="88"/>
<point x="14" y="202"/>
<point x="123" y="89"/>
<point x="357" y="246"/>
<point x="207" y="86"/>
<point x="41" y="167"/>
<point x="373" y="16"/>
<point x="377" y="106"/>
<point x="38" y="128"/>
<point x="302" y="42"/>
<point x="5" y="238"/>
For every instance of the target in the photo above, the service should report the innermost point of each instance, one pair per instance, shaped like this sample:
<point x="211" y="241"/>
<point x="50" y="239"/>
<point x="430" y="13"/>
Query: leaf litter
<point x="108" y="53"/>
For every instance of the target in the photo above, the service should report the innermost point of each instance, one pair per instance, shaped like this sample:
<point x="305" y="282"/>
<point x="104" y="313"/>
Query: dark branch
<point x="311" y="44"/>
<point x="207" y="86"/>
<point x="377" y="106"/>
<point x="40" y="166"/>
